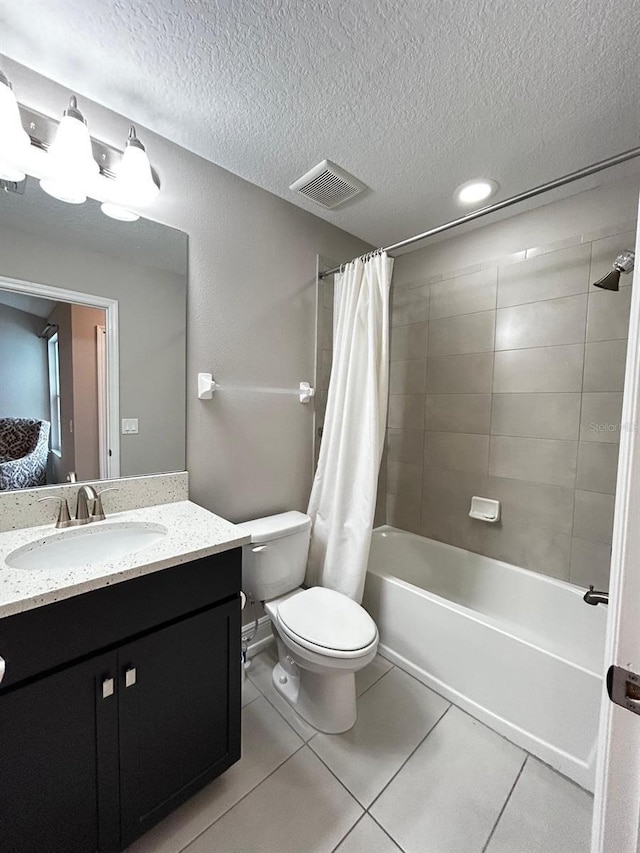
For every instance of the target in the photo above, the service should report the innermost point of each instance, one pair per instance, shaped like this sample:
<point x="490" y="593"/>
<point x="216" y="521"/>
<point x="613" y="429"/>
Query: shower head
<point x="622" y="264"/>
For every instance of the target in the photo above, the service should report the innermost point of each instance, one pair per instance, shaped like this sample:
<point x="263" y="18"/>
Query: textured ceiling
<point x="413" y="97"/>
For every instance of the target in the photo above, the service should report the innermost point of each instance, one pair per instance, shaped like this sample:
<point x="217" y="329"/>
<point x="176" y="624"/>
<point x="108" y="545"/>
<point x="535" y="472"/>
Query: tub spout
<point x="594" y="597"/>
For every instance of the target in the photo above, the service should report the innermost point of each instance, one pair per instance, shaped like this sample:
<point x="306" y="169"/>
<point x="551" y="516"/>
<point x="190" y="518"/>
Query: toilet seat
<point x="328" y="623"/>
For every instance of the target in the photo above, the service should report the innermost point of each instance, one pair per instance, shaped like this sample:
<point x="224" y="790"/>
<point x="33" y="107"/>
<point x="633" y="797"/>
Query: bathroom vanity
<point x="121" y="691"/>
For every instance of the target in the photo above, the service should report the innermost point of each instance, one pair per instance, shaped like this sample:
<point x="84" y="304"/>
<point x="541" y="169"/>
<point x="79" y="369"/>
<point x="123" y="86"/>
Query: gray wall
<point x="506" y="382"/>
<point x="24" y="376"/>
<point x="250" y="319"/>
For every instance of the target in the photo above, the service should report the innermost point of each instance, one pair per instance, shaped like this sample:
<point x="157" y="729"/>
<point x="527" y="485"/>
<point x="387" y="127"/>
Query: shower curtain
<point x="343" y="497"/>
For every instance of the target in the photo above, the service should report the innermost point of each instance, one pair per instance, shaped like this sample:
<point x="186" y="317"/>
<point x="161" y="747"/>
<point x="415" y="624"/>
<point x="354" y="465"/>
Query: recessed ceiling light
<point x="472" y="192"/>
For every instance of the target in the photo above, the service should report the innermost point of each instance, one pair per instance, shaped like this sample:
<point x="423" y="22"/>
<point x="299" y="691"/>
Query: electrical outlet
<point x="129" y="426"/>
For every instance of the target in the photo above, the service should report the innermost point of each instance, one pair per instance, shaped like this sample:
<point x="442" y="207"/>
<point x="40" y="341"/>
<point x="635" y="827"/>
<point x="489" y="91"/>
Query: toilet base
<point x="327" y="701"/>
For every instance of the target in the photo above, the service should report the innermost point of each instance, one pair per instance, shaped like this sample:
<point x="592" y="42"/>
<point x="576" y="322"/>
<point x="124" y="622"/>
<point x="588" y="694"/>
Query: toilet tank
<point x="276" y="560"/>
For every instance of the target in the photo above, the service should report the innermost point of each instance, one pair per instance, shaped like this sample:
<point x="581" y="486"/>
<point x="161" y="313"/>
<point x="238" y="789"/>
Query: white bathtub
<point x="520" y="651"/>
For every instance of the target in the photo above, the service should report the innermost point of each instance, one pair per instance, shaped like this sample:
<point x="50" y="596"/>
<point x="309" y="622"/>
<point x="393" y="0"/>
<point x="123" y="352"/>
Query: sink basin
<point x="94" y="543"/>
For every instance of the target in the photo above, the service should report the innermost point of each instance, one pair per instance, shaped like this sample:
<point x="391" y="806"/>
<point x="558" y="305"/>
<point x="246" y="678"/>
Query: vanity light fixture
<point x="14" y="140"/>
<point x="69" y="164"/>
<point x="473" y="192"/>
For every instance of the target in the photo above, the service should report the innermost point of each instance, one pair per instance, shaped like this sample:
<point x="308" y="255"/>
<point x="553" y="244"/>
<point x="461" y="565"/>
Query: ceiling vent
<point x="328" y="185"/>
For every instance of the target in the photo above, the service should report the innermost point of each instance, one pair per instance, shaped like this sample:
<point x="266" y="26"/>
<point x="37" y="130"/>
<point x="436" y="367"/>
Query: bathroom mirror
<point x="92" y="342"/>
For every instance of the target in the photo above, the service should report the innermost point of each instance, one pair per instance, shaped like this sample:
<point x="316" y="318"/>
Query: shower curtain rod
<point x="500" y="205"/>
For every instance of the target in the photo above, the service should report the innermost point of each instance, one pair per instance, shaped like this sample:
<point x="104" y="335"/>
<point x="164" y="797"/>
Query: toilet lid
<point x="328" y="619"/>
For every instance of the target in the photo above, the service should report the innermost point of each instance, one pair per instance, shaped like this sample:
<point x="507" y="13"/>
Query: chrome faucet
<point x="85" y="494"/>
<point x="89" y="507"/>
<point x="84" y="513"/>
<point x="594" y="597"/>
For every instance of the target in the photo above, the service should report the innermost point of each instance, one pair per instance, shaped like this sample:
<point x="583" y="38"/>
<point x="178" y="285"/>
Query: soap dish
<point x="485" y="509"/>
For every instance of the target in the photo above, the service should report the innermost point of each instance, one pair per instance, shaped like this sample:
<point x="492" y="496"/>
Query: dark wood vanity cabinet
<point x="137" y="707"/>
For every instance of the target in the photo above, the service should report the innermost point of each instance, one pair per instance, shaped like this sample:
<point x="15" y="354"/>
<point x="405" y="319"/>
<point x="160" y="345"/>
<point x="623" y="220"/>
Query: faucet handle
<point x="64" y="519"/>
<point x="97" y="513"/>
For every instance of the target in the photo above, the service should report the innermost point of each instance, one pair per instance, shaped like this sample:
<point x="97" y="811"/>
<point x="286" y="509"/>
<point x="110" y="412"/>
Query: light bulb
<point x="14" y="140"/>
<point x="70" y="164"/>
<point x="134" y="185"/>
<point x="117" y="212"/>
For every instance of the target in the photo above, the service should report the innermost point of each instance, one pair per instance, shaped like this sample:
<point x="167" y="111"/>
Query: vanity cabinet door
<point x="179" y="700"/>
<point x="58" y="761"/>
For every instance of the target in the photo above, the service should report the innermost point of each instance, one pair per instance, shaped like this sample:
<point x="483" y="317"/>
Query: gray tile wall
<point x="506" y="382"/>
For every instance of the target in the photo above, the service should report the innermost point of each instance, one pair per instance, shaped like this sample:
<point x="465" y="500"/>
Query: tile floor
<point x="415" y="774"/>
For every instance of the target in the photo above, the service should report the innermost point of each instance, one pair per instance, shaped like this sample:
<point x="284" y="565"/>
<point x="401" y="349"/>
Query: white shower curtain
<point x="343" y="497"/>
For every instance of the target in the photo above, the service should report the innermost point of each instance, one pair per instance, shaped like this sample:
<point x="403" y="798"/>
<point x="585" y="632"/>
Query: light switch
<point x="129" y="426"/>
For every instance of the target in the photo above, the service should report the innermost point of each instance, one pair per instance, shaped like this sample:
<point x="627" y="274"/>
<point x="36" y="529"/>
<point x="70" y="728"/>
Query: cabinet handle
<point x="130" y="677"/>
<point x="2" y="668"/>
<point x="108" y="687"/>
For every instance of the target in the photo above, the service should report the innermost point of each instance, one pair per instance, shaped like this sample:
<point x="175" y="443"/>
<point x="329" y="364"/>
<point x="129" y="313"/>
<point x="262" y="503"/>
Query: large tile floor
<point x="415" y="774"/>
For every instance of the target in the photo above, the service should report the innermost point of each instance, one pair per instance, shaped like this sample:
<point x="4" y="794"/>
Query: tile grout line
<point x="351" y="794"/>
<point x="341" y="783"/>
<point x="504" y="806"/>
<point x="531" y="482"/>
<point x="517" y="349"/>
<point x="251" y="701"/>
<point x="333" y="773"/>
<point x="380" y="677"/>
<point x="514" y="435"/>
<point x="394" y="840"/>
<point x="580" y="293"/>
<point x="307" y="743"/>
<point x="243" y="797"/>
<point x="348" y="832"/>
<point x="413" y="751"/>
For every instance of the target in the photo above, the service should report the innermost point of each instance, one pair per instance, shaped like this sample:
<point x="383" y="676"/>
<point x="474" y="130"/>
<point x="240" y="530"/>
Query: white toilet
<point x="323" y="636"/>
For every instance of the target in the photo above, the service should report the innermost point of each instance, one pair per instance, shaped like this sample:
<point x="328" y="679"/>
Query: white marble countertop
<point x="193" y="532"/>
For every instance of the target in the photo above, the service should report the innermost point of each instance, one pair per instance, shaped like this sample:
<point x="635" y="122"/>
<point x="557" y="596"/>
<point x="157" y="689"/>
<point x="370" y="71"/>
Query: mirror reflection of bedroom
<point x="53" y="419"/>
